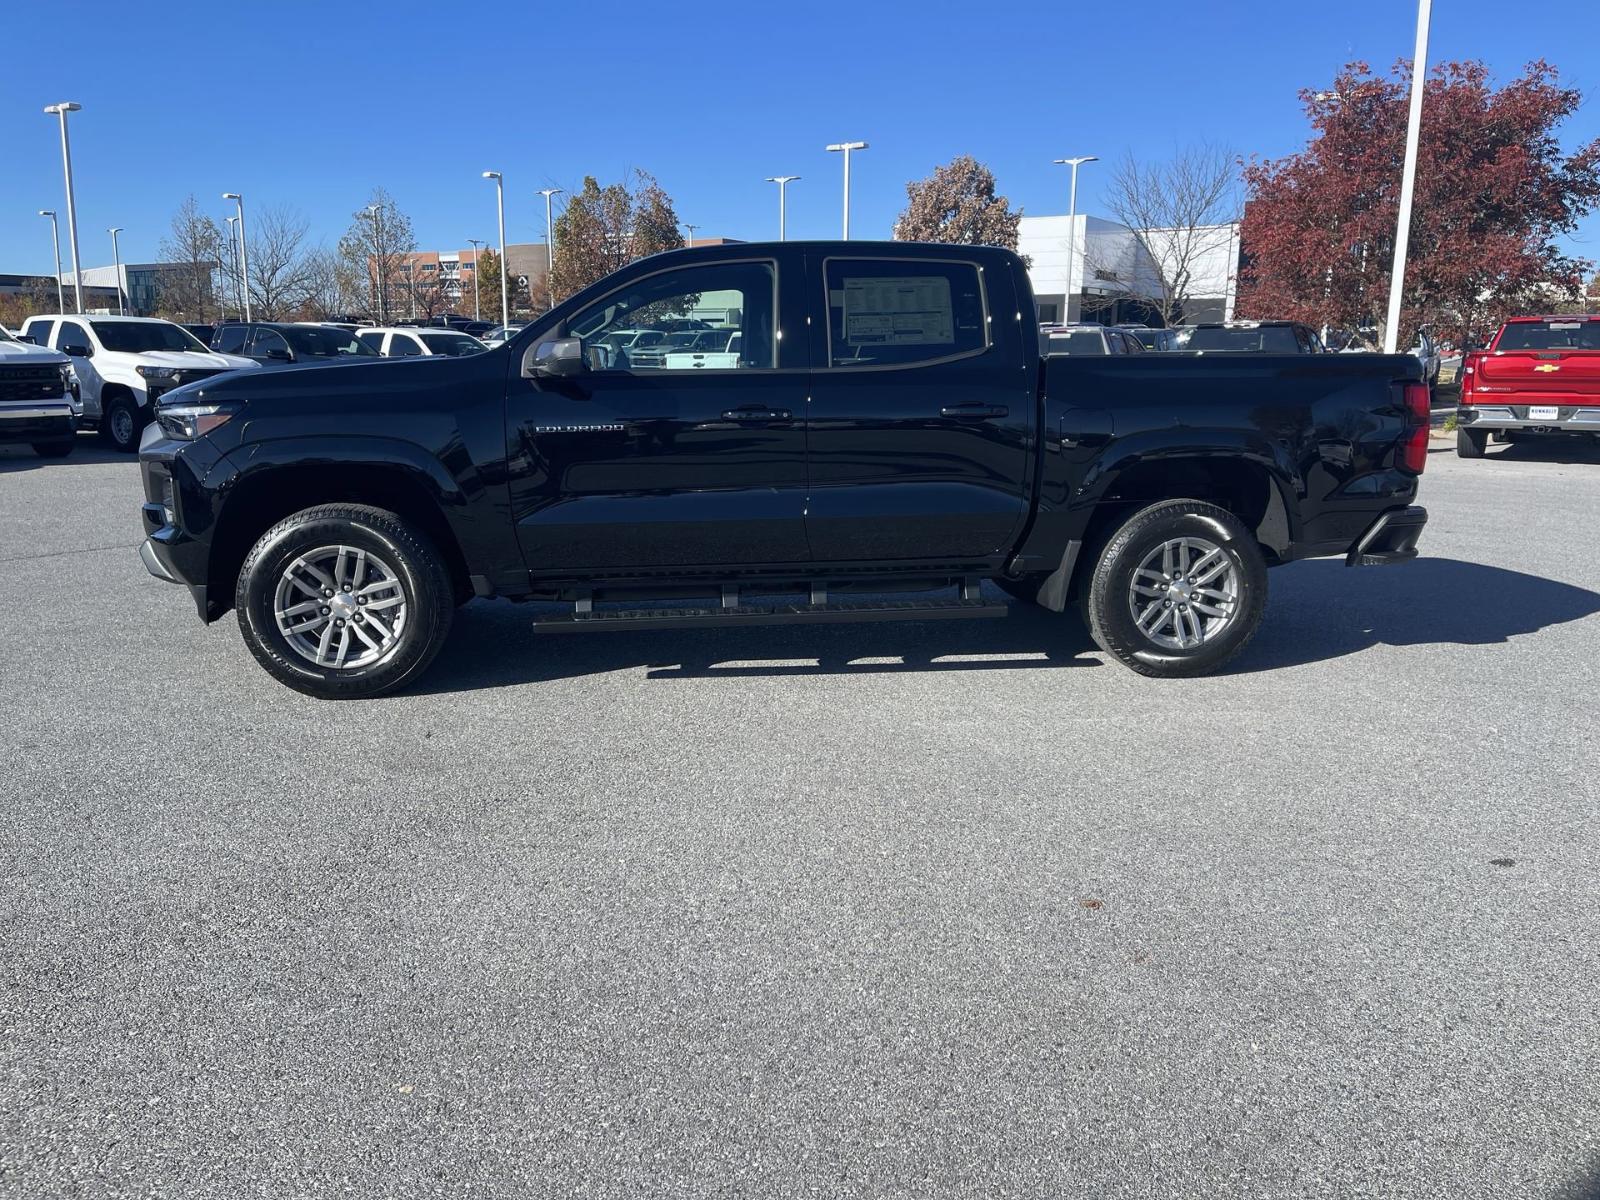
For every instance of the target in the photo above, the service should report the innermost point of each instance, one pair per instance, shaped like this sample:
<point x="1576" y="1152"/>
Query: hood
<point x="196" y="358"/>
<point x="22" y="354"/>
<point x="356" y="379"/>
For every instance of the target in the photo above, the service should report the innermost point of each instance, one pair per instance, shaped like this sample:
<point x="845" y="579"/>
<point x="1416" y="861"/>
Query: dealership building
<point x="1098" y="270"/>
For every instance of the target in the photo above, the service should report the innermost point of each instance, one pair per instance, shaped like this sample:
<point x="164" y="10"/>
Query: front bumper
<point x="50" y="421"/>
<point x="1392" y="538"/>
<point x="177" y="515"/>
<point x="1569" y="418"/>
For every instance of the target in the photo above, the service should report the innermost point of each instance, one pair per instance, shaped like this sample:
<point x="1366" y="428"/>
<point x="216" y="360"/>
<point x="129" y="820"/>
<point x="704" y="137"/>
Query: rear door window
<point x="375" y="340"/>
<point x="903" y="312"/>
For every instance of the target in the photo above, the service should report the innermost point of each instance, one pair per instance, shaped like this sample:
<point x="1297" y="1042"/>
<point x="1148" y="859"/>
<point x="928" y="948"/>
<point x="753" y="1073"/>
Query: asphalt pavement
<point x="949" y="909"/>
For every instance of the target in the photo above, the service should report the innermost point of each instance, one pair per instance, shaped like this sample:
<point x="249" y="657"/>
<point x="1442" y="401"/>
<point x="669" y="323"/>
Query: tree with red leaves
<point x="1494" y="192"/>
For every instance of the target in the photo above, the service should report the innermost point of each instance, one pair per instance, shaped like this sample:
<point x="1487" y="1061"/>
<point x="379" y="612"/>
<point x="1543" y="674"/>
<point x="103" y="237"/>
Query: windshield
<point x="1083" y="341"/>
<point x="455" y="345"/>
<point x="140" y="337"/>
<point x="315" y="341"/>
<point x="1550" y="335"/>
<point x="1270" y="339"/>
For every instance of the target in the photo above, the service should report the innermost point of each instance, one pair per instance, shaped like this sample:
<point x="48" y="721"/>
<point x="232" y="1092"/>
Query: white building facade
<point x="1110" y="274"/>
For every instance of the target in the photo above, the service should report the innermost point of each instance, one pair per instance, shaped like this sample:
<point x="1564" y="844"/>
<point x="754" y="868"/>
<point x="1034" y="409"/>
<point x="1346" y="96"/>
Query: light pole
<point x="549" y="243"/>
<point x="116" y="259"/>
<point x="61" y="110"/>
<point x="505" y="287"/>
<point x="244" y="250"/>
<point x="846" y="147"/>
<point x="1072" y="230"/>
<point x="475" y="243"/>
<point x="55" y="240"/>
<point x="233" y="261"/>
<point x="691" y="229"/>
<point x="783" y="182"/>
<point x="380" y="280"/>
<point x="411" y="285"/>
<point x="1408" y="178"/>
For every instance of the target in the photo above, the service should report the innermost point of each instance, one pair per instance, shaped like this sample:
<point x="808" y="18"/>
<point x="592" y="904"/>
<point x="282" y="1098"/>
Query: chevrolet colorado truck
<point x="124" y="364"/>
<point x="37" y="405"/>
<point x="888" y="435"/>
<point x="1539" y="376"/>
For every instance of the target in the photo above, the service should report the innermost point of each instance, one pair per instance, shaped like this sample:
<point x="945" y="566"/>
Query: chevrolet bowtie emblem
<point x="1547" y="367"/>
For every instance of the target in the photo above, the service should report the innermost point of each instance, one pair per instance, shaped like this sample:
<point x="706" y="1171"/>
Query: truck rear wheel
<point x="1470" y="443"/>
<point x="344" y="601"/>
<point x="1177" y="590"/>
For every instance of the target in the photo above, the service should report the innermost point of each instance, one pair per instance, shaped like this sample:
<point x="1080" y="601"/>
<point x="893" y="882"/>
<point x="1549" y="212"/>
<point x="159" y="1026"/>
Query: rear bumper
<point x="1392" y="538"/>
<point x="1569" y="418"/>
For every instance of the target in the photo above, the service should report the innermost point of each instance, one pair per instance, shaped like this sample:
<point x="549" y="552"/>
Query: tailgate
<point x="1551" y="374"/>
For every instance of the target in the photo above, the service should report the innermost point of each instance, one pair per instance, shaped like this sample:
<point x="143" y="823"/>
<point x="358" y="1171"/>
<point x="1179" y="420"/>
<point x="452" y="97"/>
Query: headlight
<point x="66" y="377"/>
<point x="185" y="422"/>
<point x="157" y="372"/>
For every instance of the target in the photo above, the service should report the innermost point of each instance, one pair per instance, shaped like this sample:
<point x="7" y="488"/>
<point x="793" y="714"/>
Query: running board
<point x="784" y="614"/>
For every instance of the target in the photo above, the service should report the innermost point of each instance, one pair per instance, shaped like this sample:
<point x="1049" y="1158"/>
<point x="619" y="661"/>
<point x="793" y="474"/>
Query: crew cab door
<point x="921" y="412"/>
<point x="666" y="461"/>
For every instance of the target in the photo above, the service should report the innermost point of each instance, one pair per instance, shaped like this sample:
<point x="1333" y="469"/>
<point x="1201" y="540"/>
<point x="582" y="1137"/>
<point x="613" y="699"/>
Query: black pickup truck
<point x="879" y="424"/>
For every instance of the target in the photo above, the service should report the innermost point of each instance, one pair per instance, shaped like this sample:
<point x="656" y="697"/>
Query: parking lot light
<point x="61" y="110"/>
<point x="244" y="251"/>
<point x="116" y="259"/>
<point x="846" y="147"/>
<point x="500" y="202"/>
<point x="55" y="241"/>
<point x="1072" y="228"/>
<point x="1408" y="178"/>
<point x="783" y="182"/>
<point x="475" y="243"/>
<point x="549" y="242"/>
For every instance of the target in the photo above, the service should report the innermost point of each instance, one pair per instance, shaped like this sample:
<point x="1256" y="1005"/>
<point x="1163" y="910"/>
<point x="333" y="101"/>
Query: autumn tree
<point x="1181" y="212"/>
<point x="1495" y="192"/>
<point x="194" y="241"/>
<point x="489" y="287"/>
<point x="376" y="248"/>
<point x="957" y="204"/>
<point x="604" y="228"/>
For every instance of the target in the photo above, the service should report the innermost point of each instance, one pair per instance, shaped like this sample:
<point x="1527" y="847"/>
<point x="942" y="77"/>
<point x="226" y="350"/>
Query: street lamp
<point x="691" y="229"/>
<point x="505" y="288"/>
<point x="549" y="243"/>
<point x="846" y="147"/>
<point x="116" y="258"/>
<point x="1408" y="178"/>
<point x="55" y="240"/>
<point x="244" y="251"/>
<point x="233" y="261"/>
<point x="783" y="182"/>
<point x="380" y="273"/>
<point x="61" y="110"/>
<point x="1072" y="230"/>
<point x="475" y="243"/>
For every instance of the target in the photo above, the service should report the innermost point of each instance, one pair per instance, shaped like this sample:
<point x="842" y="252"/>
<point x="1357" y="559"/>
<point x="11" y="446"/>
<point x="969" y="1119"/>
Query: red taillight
<point x="1469" y="379"/>
<point x="1414" y="443"/>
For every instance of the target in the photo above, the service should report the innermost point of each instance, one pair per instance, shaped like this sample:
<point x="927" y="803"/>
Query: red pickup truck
<point x="1539" y="376"/>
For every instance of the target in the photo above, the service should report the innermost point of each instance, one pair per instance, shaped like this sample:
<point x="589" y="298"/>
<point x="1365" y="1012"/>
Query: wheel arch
<point x="260" y="497"/>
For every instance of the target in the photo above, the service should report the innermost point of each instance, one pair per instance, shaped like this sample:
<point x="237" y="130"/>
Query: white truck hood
<point x="23" y="355"/>
<point x="196" y="358"/>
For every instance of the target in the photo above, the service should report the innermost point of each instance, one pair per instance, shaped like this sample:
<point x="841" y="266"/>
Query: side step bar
<point x="783" y="614"/>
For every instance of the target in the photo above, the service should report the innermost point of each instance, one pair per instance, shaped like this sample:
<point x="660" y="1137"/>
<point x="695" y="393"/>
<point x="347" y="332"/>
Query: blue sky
<point x="311" y="105"/>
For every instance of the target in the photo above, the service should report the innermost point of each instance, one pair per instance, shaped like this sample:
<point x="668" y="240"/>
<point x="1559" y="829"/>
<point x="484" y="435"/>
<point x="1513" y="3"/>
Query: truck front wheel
<point x="344" y="601"/>
<point x="1178" y="589"/>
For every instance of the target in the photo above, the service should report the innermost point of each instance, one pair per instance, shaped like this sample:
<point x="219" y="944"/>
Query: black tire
<point x="121" y="423"/>
<point x="422" y="579"/>
<point x="1105" y="603"/>
<point x="1470" y="443"/>
<point x="53" y="449"/>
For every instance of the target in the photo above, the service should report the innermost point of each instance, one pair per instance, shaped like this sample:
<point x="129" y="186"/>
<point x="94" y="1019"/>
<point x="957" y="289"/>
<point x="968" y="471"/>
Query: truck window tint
<point x="1269" y="339"/>
<point x="1085" y="341"/>
<point x="683" y="320"/>
<point x="1550" y="335"/>
<point x="373" y="340"/>
<point x="230" y="339"/>
<point x="72" y="334"/>
<point x="902" y="312"/>
<point x="265" y="340"/>
<point x="39" y="330"/>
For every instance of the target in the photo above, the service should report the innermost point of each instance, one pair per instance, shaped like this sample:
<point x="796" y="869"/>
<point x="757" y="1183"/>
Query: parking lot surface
<point x="928" y="910"/>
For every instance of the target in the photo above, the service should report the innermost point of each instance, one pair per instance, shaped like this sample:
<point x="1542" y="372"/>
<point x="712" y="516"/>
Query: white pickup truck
<point x="37" y="407"/>
<point x="123" y="364"/>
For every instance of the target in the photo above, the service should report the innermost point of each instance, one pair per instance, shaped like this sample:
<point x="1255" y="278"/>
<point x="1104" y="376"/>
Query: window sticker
<point x="912" y="310"/>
